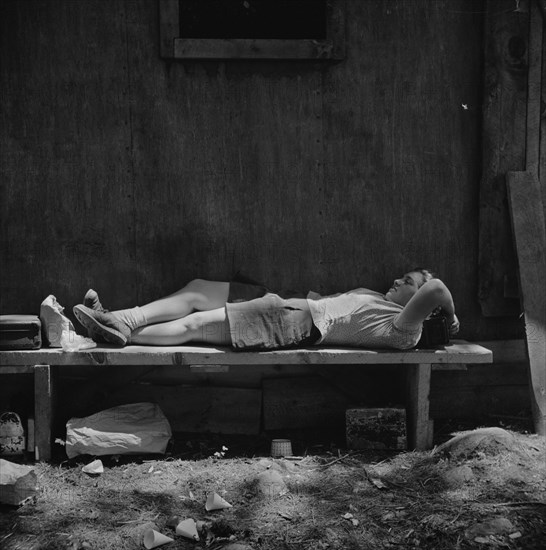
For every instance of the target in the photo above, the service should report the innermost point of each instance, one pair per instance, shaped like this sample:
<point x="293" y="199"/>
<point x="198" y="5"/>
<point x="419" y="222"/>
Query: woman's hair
<point x="426" y="273"/>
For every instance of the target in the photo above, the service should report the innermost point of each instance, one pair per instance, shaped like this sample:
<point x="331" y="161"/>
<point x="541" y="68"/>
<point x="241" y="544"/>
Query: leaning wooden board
<point x="530" y="239"/>
<point x="527" y="217"/>
<point x="43" y="363"/>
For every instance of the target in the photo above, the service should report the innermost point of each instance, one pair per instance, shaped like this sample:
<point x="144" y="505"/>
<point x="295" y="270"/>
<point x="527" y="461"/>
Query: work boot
<point x="103" y="324"/>
<point x="91" y="300"/>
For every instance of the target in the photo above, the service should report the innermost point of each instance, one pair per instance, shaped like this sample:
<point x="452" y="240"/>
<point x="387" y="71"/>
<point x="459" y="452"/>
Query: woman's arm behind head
<point x="433" y="294"/>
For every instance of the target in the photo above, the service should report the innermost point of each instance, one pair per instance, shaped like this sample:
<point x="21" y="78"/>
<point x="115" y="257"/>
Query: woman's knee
<point x="206" y="326"/>
<point x="196" y="285"/>
<point x="193" y="322"/>
<point x="205" y="295"/>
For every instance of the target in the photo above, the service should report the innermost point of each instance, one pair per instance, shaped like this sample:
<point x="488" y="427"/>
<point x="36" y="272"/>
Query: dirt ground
<point x="481" y="493"/>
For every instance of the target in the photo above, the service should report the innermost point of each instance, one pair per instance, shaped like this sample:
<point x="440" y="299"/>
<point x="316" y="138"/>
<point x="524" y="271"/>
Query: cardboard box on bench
<point x="20" y="332"/>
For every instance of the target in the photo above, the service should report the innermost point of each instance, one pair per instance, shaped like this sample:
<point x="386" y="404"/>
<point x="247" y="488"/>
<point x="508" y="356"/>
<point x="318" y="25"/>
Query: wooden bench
<point x="42" y="363"/>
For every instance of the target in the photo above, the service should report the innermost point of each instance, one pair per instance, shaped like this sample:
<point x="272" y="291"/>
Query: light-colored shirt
<point x="361" y="318"/>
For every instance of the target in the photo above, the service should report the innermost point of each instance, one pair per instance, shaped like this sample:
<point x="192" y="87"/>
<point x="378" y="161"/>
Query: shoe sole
<point x="110" y="335"/>
<point x="95" y="336"/>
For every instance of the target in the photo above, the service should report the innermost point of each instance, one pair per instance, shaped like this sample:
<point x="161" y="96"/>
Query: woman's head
<point x="405" y="287"/>
<point x="426" y="274"/>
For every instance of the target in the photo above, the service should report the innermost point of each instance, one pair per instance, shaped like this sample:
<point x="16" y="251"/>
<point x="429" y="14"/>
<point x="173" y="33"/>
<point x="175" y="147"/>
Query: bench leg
<point x="43" y="412"/>
<point x="419" y="425"/>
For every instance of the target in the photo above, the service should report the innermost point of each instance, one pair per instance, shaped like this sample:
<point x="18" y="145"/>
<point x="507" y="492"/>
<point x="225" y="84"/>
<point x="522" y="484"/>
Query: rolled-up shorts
<point x="270" y="322"/>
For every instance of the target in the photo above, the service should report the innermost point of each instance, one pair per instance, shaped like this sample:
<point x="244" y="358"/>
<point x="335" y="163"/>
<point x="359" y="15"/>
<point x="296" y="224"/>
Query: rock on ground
<point x="497" y="526"/>
<point x="17" y="482"/>
<point x="458" y="476"/>
<point x="271" y="483"/>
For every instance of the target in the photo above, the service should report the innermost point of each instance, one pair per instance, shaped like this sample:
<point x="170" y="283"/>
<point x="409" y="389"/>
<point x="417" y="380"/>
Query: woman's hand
<point x="454" y="325"/>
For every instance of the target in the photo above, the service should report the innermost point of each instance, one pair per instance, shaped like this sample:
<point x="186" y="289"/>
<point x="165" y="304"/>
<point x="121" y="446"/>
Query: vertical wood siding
<point x="133" y="175"/>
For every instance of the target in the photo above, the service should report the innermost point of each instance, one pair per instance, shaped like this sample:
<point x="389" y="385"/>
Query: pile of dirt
<point x="490" y="441"/>
<point x="480" y="490"/>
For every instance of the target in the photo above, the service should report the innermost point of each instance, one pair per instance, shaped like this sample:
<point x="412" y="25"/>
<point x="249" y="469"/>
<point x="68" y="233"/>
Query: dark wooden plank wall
<point x="67" y="208"/>
<point x="542" y="145"/>
<point x="132" y="174"/>
<point x="504" y="148"/>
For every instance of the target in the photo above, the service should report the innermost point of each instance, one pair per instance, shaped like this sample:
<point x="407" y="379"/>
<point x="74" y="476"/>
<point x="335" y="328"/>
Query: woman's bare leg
<point x="197" y="295"/>
<point x="116" y="327"/>
<point x="210" y="327"/>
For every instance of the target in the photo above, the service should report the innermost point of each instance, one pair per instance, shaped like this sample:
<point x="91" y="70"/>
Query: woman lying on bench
<point x="249" y="316"/>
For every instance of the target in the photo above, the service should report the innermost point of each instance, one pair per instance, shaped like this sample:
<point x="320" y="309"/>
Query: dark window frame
<point x="172" y="46"/>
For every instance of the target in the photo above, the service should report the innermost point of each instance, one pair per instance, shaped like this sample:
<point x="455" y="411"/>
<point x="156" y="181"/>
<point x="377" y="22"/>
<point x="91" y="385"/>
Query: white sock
<point x="133" y="317"/>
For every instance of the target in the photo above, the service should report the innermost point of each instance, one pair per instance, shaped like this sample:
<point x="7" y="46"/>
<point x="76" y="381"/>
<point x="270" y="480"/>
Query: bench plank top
<point x="458" y="351"/>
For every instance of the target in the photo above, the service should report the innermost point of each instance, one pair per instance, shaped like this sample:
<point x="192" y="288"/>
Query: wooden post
<point x="420" y="427"/>
<point x="43" y="411"/>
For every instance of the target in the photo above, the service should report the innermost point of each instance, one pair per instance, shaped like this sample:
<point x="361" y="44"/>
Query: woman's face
<point x="404" y="288"/>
